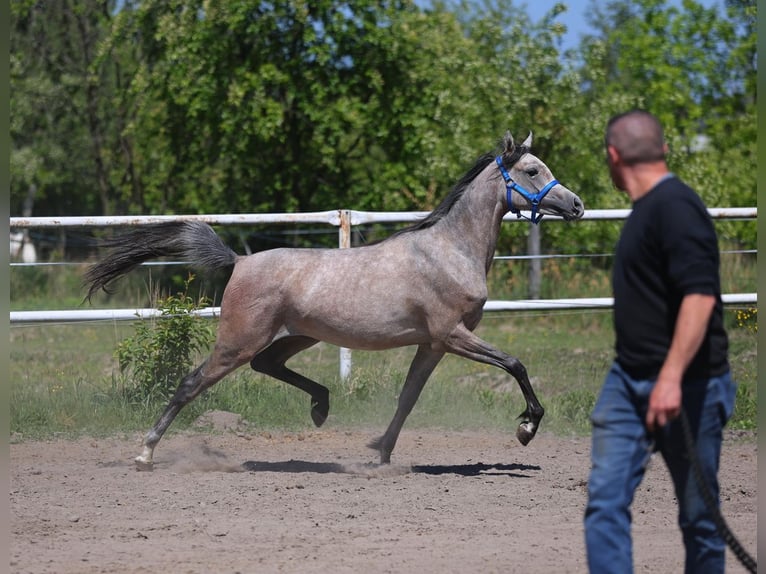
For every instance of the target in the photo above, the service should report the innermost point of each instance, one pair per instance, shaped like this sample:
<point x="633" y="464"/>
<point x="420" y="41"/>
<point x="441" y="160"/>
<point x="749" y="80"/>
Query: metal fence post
<point x="535" y="266"/>
<point x="344" y="242"/>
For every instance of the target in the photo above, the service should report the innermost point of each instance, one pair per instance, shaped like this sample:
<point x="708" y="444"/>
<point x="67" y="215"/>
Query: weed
<point x="571" y="410"/>
<point x="487" y="398"/>
<point x="748" y="319"/>
<point x="161" y="351"/>
<point x="745" y="408"/>
<point x="360" y="386"/>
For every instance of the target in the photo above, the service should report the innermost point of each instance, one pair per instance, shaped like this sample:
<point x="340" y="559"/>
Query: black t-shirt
<point x="667" y="249"/>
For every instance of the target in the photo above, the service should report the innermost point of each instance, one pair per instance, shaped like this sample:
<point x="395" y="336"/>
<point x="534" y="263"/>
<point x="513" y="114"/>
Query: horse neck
<point x="474" y="221"/>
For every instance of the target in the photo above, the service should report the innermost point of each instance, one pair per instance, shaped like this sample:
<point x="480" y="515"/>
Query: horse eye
<point x="532" y="172"/>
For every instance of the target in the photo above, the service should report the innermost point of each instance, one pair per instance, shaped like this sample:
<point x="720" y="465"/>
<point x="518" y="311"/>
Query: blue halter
<point x="511" y="186"/>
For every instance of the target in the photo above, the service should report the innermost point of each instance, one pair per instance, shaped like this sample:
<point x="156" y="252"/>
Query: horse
<point x="424" y="286"/>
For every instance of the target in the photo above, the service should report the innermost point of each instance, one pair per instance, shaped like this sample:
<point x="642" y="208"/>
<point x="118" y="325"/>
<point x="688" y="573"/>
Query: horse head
<point x="530" y="185"/>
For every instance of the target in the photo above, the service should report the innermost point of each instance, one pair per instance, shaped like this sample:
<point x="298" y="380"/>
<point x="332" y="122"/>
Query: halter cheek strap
<point x="534" y="199"/>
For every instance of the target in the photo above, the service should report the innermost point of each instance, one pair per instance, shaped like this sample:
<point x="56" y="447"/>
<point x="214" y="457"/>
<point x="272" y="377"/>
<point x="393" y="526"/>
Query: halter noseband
<point x="534" y="199"/>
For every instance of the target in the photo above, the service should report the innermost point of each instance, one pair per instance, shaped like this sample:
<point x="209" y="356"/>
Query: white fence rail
<point x="78" y="315"/>
<point x="334" y="217"/>
<point x="343" y="219"/>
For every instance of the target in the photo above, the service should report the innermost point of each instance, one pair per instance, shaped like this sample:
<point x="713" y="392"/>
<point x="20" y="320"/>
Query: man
<point x="671" y="353"/>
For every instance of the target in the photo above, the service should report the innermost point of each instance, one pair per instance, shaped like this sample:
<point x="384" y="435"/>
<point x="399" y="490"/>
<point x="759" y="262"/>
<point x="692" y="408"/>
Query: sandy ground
<point x="316" y="502"/>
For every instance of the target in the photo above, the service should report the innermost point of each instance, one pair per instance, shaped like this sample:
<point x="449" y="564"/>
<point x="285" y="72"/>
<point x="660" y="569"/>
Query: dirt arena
<point x="316" y="502"/>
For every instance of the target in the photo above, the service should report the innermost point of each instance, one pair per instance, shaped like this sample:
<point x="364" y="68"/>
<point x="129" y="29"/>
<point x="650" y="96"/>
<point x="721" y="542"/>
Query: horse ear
<point x="528" y="142"/>
<point x="508" y="142"/>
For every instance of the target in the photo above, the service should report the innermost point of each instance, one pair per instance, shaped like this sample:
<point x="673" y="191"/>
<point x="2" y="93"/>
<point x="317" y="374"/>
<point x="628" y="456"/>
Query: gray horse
<point x="424" y="285"/>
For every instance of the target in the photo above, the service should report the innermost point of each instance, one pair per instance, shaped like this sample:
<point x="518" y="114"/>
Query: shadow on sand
<point x="477" y="469"/>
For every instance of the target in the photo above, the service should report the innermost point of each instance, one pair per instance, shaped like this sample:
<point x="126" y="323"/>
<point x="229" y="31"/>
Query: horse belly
<point x="365" y="325"/>
<point x="368" y="317"/>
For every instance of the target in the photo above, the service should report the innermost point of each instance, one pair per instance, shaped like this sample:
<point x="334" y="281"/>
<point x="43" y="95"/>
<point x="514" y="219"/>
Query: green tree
<point x="212" y="106"/>
<point x="295" y="106"/>
<point x="694" y="67"/>
<point x="65" y="138"/>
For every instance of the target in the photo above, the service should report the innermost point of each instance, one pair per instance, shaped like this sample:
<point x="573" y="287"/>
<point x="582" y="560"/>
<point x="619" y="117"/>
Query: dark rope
<point x="723" y="529"/>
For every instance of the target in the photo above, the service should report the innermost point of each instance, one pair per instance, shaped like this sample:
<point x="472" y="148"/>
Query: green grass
<point x="64" y="381"/>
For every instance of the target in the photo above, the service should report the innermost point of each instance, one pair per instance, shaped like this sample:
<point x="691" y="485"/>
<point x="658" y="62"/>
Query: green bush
<point x="153" y="361"/>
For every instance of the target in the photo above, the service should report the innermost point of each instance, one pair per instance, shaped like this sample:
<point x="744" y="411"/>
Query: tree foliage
<point x="213" y="106"/>
<point x="60" y="128"/>
<point x="695" y="68"/>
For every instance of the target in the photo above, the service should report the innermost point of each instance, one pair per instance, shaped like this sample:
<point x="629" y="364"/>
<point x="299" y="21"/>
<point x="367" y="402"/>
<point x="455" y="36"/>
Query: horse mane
<point x="511" y="154"/>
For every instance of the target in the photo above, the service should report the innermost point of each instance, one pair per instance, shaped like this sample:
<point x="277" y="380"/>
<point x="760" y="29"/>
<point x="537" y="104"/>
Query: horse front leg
<point x="422" y="366"/>
<point x="533" y="414"/>
<point x="464" y="343"/>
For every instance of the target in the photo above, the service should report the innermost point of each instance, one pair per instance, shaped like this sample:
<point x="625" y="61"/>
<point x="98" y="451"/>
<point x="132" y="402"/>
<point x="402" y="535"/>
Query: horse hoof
<point x="525" y="433"/>
<point x="385" y="454"/>
<point x="143" y="465"/>
<point x="385" y="457"/>
<point x="318" y="417"/>
<point x="319" y="413"/>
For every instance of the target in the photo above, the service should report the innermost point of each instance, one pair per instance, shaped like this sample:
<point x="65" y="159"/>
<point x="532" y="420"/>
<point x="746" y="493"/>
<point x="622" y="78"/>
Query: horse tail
<point x="194" y="242"/>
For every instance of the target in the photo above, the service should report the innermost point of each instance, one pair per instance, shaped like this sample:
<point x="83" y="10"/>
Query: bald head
<point x="637" y="136"/>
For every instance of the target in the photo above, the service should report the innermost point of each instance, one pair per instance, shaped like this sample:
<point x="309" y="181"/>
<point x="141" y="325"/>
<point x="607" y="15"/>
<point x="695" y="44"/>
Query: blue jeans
<point x="621" y="448"/>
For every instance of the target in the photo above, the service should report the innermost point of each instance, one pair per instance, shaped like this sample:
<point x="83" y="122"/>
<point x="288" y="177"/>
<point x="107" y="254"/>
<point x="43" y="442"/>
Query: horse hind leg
<point x="217" y="366"/>
<point x="271" y="361"/>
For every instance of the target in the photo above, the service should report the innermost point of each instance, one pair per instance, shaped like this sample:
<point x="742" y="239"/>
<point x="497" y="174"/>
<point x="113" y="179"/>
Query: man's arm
<point x="691" y="325"/>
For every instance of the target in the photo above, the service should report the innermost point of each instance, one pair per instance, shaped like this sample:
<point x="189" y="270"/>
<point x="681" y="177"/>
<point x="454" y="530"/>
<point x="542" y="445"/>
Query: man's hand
<point x="664" y="402"/>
